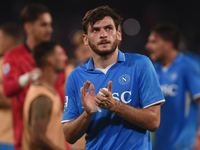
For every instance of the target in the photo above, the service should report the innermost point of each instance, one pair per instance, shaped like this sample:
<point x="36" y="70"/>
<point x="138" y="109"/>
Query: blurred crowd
<point x="26" y="72"/>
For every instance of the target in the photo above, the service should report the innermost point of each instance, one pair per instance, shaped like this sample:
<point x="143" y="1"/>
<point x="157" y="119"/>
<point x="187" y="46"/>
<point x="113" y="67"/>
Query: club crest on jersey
<point x="6" y="68"/>
<point x="124" y="79"/>
<point x="174" y="76"/>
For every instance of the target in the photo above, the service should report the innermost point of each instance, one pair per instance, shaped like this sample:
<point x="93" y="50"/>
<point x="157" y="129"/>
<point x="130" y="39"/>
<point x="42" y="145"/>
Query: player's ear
<point x="85" y="39"/>
<point x="27" y="27"/>
<point x="119" y="34"/>
<point x="51" y="60"/>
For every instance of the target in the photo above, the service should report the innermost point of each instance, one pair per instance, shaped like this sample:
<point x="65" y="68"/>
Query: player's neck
<point x="30" y="42"/>
<point x="103" y="62"/>
<point x="169" y="58"/>
<point x="49" y="77"/>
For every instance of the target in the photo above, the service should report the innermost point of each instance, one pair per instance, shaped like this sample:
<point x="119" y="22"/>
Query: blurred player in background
<point x="11" y="35"/>
<point x="19" y="66"/>
<point x="179" y="78"/>
<point x="82" y="52"/>
<point x="42" y="111"/>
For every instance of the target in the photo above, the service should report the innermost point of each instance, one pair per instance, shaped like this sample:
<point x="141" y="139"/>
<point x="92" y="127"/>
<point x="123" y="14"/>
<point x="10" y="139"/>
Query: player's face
<point x="103" y="37"/>
<point x="60" y="59"/>
<point x="41" y="29"/>
<point x="156" y="47"/>
<point x="4" y="42"/>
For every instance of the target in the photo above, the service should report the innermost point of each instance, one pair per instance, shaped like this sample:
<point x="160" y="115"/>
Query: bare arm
<point x="148" y="118"/>
<point x="197" y="140"/>
<point x="5" y="102"/>
<point x="39" y="118"/>
<point x="74" y="129"/>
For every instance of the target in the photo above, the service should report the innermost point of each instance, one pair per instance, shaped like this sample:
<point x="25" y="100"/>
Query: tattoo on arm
<point x="39" y="118"/>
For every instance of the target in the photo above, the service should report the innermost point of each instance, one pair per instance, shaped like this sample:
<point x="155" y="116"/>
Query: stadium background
<point x="138" y="18"/>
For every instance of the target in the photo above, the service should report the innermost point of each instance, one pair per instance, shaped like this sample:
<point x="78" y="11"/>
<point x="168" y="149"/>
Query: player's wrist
<point x="88" y="114"/>
<point x="119" y="104"/>
<point x="24" y="80"/>
<point x="115" y="107"/>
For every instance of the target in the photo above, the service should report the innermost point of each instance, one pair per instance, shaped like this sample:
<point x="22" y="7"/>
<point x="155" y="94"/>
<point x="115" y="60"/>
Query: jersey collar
<point x="121" y="58"/>
<point x="27" y="48"/>
<point x="179" y="57"/>
<point x="176" y="60"/>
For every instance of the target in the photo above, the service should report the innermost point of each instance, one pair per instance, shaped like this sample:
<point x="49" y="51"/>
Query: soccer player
<point x="180" y="83"/>
<point x="122" y="116"/>
<point x="42" y="111"/>
<point x="19" y="66"/>
<point x="11" y="35"/>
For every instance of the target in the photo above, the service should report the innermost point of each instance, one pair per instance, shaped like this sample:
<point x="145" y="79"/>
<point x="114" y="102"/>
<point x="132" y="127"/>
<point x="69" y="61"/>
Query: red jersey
<point x="17" y="62"/>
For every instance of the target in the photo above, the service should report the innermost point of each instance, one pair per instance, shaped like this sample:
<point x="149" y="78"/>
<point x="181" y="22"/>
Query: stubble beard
<point x="58" y="70"/>
<point x="104" y="52"/>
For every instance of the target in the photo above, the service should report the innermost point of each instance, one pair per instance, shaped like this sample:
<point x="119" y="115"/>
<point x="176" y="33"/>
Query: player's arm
<point x="11" y="73"/>
<point x="197" y="140"/>
<point x="192" y="76"/>
<point x="4" y="101"/>
<point x="39" y="118"/>
<point x="75" y="129"/>
<point x="13" y="78"/>
<point x="148" y="118"/>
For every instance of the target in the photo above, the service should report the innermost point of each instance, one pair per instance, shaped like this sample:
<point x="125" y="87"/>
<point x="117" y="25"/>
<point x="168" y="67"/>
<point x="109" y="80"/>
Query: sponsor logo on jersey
<point x="124" y="79"/>
<point x="122" y="96"/>
<point x="169" y="90"/>
<point x="6" y="68"/>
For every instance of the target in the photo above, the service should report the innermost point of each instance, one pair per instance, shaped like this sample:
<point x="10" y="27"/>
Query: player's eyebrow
<point x="109" y="26"/>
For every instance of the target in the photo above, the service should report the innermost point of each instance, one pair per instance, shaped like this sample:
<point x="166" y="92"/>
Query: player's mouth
<point x="104" y="42"/>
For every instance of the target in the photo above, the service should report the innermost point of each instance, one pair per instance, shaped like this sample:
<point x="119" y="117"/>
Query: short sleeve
<point x="192" y="77"/>
<point x="149" y="88"/>
<point x="70" y="106"/>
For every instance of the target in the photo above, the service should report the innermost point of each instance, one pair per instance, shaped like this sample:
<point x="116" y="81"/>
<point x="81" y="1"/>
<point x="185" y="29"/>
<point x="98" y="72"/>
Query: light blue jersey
<point x="4" y="146"/>
<point x="180" y="84"/>
<point x="134" y="82"/>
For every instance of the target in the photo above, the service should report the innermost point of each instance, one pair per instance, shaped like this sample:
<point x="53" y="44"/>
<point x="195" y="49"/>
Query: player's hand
<point x="35" y="74"/>
<point x="105" y="99"/>
<point x="87" y="99"/>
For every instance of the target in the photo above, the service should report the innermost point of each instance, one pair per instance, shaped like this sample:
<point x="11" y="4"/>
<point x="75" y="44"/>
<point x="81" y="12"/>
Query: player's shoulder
<point x="77" y="71"/>
<point x="137" y="58"/>
<point x="15" y="52"/>
<point x="188" y="61"/>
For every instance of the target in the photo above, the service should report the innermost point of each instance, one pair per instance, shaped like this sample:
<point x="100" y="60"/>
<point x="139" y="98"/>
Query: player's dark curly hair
<point x="13" y="30"/>
<point x="94" y="15"/>
<point x="168" y="32"/>
<point x="31" y="12"/>
<point x="42" y="50"/>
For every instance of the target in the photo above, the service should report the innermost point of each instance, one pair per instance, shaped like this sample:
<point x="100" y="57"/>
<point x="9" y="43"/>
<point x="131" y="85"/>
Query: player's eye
<point x="95" y="30"/>
<point x="108" y="28"/>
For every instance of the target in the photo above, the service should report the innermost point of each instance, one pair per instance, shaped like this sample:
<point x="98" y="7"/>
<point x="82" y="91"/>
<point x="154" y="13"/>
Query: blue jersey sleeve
<point x="149" y="88"/>
<point x="192" y="77"/>
<point x="70" y="107"/>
